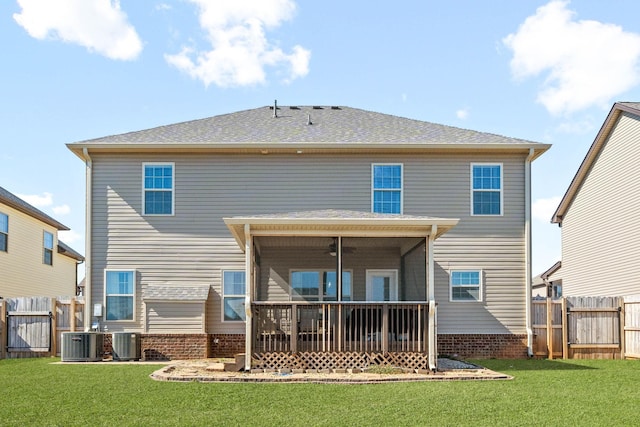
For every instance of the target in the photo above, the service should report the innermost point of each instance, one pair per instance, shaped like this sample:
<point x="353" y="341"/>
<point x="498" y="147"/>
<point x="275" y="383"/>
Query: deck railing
<point x="340" y="326"/>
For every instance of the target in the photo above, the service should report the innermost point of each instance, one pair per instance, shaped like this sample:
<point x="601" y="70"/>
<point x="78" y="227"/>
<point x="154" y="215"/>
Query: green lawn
<point x="35" y="392"/>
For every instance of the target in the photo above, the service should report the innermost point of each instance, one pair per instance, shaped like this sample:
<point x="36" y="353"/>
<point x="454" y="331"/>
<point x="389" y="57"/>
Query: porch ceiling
<point x="333" y="223"/>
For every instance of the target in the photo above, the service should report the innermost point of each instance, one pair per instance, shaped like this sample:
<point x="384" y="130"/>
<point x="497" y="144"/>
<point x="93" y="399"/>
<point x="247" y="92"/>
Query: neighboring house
<point x="604" y="191"/>
<point x="33" y="262"/>
<point x="548" y="283"/>
<point x="311" y="230"/>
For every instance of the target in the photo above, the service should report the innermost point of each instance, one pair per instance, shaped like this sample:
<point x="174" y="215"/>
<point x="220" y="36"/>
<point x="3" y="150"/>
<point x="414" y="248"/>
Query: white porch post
<point x="433" y="339"/>
<point x="248" y="265"/>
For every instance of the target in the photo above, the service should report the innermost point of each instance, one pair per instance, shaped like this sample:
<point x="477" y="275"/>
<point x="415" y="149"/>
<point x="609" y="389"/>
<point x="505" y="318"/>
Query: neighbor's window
<point x="386" y="188"/>
<point x="233" y="293"/>
<point x="486" y="189"/>
<point x="4" y="232"/>
<point x="319" y="285"/>
<point x="466" y="285"/>
<point x="47" y="254"/>
<point x="158" y="188"/>
<point x="119" y="294"/>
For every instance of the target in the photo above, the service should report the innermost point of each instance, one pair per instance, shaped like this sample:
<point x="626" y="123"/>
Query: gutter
<point x="88" y="233"/>
<point x="528" y="250"/>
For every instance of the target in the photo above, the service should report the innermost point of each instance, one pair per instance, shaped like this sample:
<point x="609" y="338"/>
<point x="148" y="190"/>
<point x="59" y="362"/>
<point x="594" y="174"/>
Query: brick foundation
<point x="226" y="345"/>
<point x="483" y="346"/>
<point x="174" y="346"/>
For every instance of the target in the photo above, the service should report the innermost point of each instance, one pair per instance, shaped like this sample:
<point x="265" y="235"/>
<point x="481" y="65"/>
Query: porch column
<point x="432" y="338"/>
<point x="339" y="293"/>
<point x="248" y="288"/>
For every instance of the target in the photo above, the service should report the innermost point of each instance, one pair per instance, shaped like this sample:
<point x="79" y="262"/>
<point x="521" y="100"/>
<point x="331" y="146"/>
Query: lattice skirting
<point x="335" y="360"/>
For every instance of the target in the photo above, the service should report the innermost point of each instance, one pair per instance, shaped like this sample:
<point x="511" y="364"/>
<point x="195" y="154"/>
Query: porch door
<point x="382" y="285"/>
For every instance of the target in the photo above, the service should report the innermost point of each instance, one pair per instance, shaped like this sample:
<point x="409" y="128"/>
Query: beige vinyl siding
<point x="22" y="271"/>
<point x="600" y="231"/>
<point x="280" y="263"/>
<point x="175" y="317"/>
<point x="194" y="245"/>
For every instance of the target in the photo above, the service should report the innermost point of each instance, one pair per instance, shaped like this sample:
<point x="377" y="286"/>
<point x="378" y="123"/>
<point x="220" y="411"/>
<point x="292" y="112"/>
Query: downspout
<point x="433" y="339"/>
<point x="527" y="249"/>
<point x="88" y="310"/>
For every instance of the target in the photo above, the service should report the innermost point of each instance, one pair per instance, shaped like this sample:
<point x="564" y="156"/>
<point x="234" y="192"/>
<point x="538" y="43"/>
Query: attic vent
<point x="293" y="107"/>
<point x="317" y="107"/>
<point x="335" y="107"/>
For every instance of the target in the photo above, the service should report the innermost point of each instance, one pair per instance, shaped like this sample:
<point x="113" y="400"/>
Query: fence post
<point x="565" y="334"/>
<point x="54" y="327"/>
<point x="72" y="315"/>
<point x="3" y="328"/>
<point x="549" y="328"/>
<point x="621" y="323"/>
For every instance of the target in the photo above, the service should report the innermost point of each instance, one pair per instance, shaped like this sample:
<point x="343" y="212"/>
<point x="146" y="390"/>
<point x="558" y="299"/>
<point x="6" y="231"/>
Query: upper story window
<point x="47" y="254"/>
<point x="486" y="189"/>
<point x="233" y="293"/>
<point x="158" y="185"/>
<point x="386" y="188"/>
<point x="466" y="285"/>
<point x="319" y="285"/>
<point x="119" y="294"/>
<point x="4" y="232"/>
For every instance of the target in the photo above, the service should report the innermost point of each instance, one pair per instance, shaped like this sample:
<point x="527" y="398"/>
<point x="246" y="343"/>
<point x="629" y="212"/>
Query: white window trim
<point x="45" y="248"/>
<point x="482" y="190"/>
<point x="320" y="291"/>
<point x="231" y="270"/>
<point x="6" y="249"/>
<point x="480" y="285"/>
<point x="173" y="187"/>
<point x="104" y="297"/>
<point x="383" y="189"/>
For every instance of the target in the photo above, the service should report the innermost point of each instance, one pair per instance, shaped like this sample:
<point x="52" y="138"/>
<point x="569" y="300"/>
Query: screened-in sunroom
<point x="337" y="289"/>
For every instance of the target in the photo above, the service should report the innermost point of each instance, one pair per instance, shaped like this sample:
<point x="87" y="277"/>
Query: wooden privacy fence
<point x="587" y="327"/>
<point x="33" y="326"/>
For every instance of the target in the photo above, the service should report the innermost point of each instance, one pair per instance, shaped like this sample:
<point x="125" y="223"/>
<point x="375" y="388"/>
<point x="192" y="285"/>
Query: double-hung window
<point x="319" y="285"/>
<point x="119" y="294"/>
<point x="158" y="188"/>
<point x="4" y="232"/>
<point x="386" y="188"/>
<point x="466" y="285"/>
<point x="486" y="189"/>
<point x="47" y="250"/>
<point x="233" y="295"/>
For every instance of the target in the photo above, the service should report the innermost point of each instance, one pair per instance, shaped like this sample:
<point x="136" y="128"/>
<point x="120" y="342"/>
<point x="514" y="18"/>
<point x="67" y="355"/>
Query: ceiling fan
<point x="333" y="249"/>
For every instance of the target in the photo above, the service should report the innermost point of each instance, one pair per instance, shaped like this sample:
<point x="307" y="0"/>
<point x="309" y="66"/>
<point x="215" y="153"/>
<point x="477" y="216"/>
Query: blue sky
<point x="547" y="71"/>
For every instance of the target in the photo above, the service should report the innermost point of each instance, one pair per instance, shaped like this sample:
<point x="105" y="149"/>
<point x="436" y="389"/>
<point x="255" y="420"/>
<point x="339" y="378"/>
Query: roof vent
<point x="317" y="107"/>
<point x="309" y="120"/>
<point x="275" y="108"/>
<point x="334" y="107"/>
<point x="293" y="107"/>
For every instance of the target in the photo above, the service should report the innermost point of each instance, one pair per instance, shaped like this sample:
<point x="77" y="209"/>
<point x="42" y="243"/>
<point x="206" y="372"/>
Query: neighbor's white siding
<point x="194" y="245"/>
<point x="600" y="230"/>
<point x="22" y="271"/>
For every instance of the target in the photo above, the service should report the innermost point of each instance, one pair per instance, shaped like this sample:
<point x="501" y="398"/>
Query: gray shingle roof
<point x="336" y="214"/>
<point x="17" y="203"/>
<point x="328" y="124"/>
<point x="159" y="292"/>
<point x="634" y="105"/>
<point x="66" y="250"/>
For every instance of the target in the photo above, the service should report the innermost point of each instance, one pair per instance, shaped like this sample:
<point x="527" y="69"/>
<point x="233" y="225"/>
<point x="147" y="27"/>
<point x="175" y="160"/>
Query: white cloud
<point x="37" y="200"/>
<point x="585" y="62"/>
<point x="61" y="210"/>
<point x="70" y="237"/>
<point x="581" y="127"/>
<point x="98" y="25"/>
<point x="543" y="209"/>
<point x="240" y="51"/>
<point x="462" y="113"/>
